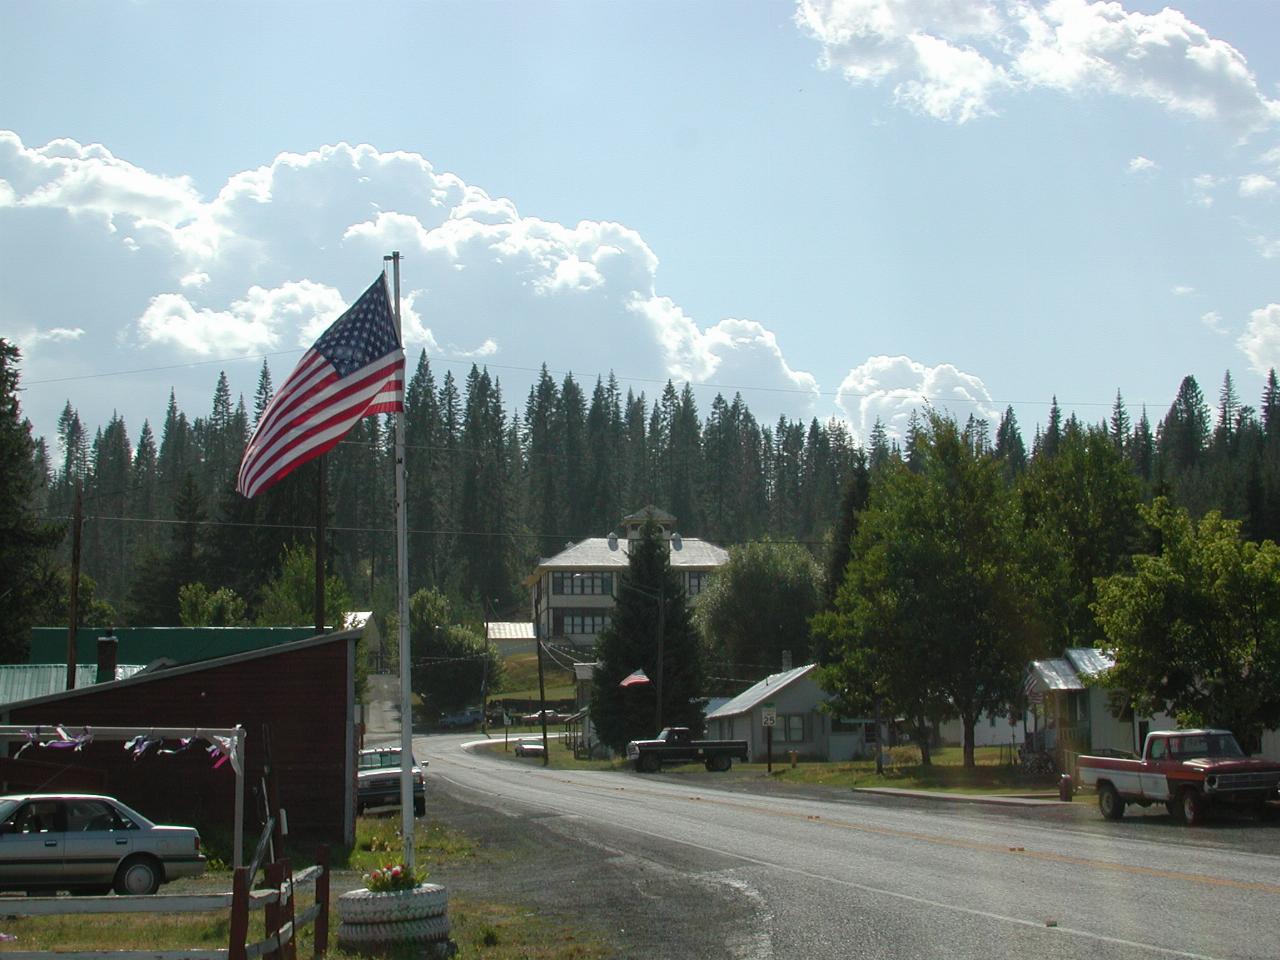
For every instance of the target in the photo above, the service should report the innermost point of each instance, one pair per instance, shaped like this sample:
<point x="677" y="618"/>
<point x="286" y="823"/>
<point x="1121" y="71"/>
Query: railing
<point x="277" y="900"/>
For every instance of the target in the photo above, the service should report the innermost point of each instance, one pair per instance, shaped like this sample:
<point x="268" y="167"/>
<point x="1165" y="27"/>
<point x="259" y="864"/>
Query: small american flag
<point x="634" y="679"/>
<point x="355" y="370"/>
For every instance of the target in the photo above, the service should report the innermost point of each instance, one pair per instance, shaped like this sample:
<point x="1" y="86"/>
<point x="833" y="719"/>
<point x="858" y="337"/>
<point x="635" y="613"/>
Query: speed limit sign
<point x="768" y="716"/>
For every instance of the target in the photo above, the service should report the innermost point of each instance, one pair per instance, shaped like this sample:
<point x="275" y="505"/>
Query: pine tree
<point x="262" y="396"/>
<point x="1053" y="432"/>
<point x="25" y="541"/>
<point x="879" y="445"/>
<point x="1271" y="406"/>
<point x="1120" y="424"/>
<point x="630" y="643"/>
<point x="1009" y="449"/>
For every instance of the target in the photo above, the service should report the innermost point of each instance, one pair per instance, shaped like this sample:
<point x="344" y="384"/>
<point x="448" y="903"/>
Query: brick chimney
<point x="108" y="648"/>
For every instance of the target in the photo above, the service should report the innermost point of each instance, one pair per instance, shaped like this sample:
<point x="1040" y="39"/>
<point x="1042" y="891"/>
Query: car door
<point x="31" y="846"/>
<point x="1155" y="782"/>
<point x="96" y="841"/>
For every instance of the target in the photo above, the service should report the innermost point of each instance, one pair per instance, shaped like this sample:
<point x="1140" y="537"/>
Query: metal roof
<point x="1089" y="661"/>
<point x="610" y="552"/>
<point x="510" y="630"/>
<point x="25" y="681"/>
<point x="1056" y="674"/>
<point x="760" y="692"/>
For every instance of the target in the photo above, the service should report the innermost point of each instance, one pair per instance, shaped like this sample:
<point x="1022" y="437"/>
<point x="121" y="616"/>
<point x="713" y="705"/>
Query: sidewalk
<point x="999" y="799"/>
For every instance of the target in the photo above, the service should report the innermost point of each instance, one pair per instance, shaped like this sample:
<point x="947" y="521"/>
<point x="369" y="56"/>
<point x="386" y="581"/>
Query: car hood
<point x="1232" y="764"/>
<point x="385" y="772"/>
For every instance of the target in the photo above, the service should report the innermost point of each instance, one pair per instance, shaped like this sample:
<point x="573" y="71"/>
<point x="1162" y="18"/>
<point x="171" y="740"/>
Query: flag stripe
<point x="354" y="370"/>
<point x="334" y="403"/>
<point x="329" y="400"/>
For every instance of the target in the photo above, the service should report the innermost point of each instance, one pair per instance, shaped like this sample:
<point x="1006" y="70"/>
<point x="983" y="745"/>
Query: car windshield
<point x="380" y="760"/>
<point x="7" y="808"/>
<point x="1205" y="745"/>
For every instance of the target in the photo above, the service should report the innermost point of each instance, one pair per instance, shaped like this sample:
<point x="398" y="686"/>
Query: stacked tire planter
<point x="371" y="921"/>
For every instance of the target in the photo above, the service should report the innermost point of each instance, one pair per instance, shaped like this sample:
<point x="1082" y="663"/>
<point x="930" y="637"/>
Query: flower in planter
<point x="393" y="876"/>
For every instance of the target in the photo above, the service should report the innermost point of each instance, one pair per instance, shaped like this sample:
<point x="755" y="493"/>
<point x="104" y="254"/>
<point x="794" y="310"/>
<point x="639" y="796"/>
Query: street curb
<point x="991" y="799"/>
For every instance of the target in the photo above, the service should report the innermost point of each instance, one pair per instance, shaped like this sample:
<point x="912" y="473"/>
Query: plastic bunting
<point x="183" y="745"/>
<point x="67" y="742"/>
<point x="220" y="749"/>
<point x="223" y="749"/>
<point x="140" y="744"/>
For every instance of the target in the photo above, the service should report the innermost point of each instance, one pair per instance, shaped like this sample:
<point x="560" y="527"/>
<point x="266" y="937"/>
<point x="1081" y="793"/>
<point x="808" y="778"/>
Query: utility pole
<point x="662" y="610"/>
<point x="73" y="612"/>
<point x="321" y="511"/>
<point x="542" y="690"/>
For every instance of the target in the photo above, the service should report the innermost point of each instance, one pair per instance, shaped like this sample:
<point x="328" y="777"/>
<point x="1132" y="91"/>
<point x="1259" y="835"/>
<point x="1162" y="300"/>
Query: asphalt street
<point x="743" y="869"/>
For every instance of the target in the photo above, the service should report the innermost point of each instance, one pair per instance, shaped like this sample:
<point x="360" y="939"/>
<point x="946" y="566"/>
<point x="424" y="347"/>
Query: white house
<point x="573" y="593"/>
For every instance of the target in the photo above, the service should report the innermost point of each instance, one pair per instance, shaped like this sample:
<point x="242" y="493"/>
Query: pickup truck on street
<point x="676" y="745"/>
<point x="1188" y="771"/>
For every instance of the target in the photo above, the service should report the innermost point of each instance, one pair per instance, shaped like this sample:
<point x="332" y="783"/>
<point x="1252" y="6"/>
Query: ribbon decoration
<point x="140" y="744"/>
<point x="32" y="738"/>
<point x="67" y="742"/>
<point x="183" y="744"/>
<point x="223" y="749"/>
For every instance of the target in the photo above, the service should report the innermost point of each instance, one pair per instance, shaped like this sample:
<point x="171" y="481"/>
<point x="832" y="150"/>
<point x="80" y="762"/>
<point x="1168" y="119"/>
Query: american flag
<point x="634" y="679"/>
<point x="355" y="369"/>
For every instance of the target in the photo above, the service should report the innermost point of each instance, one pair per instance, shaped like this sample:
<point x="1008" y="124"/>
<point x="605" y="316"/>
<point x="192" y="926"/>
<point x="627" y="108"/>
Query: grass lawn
<point x="520" y="679"/>
<point x="481" y="928"/>
<point x="561" y="757"/>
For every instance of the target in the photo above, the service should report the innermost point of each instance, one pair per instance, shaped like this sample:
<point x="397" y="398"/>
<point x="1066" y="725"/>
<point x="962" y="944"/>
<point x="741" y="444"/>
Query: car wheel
<point x="138" y="876"/>
<point x="648" y="763"/>
<point x="1191" y="807"/>
<point x="1110" y="803"/>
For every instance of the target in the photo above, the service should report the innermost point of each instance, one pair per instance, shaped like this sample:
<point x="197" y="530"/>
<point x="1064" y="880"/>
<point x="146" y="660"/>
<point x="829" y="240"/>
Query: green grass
<point x="561" y="757"/>
<point x="492" y="930"/>
<point x="520" y="679"/>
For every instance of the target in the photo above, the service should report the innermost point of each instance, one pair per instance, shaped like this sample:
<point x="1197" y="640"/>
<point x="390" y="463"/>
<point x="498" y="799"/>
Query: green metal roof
<point x="145" y="644"/>
<point x="23" y="681"/>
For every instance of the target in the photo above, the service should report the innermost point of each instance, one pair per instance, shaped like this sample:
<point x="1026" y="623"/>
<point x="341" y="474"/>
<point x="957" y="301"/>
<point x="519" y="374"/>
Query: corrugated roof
<point x="1089" y="661"/>
<point x="24" y="681"/>
<point x="510" y="630"/>
<point x="758" y="693"/>
<point x="1056" y="674"/>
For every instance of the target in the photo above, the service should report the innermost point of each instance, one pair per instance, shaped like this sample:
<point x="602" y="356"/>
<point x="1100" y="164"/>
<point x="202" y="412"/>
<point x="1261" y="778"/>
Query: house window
<point x="698" y="579"/>
<point x="841" y="725"/>
<point x="790" y="727"/>
<point x="570" y="622"/>
<point x="564" y="583"/>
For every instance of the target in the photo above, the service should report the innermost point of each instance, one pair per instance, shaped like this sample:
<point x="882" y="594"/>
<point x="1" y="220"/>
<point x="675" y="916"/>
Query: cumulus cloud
<point x="257" y="323"/>
<point x="31" y="339"/>
<point x="1256" y="185"/>
<point x="1260" y="341"/>
<point x="952" y="59"/>
<point x="1141" y="165"/>
<point x="1213" y="320"/>
<point x="240" y="272"/>
<point x="890" y="388"/>
<point x="1268" y="247"/>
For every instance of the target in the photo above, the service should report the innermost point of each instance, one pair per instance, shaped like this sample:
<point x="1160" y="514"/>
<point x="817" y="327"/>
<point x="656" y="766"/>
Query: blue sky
<point x="838" y="209"/>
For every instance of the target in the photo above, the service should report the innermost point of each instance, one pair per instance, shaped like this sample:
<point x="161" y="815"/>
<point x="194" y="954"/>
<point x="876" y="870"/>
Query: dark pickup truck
<point x="676" y="745"/>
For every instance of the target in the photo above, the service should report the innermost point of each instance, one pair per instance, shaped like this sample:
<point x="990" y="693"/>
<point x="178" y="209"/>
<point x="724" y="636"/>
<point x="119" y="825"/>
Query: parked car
<point x="89" y="844"/>
<point x="529" y="748"/>
<point x="463" y="718"/>
<point x="535" y="718"/>
<point x="378" y="780"/>
<point x="1188" y="771"/>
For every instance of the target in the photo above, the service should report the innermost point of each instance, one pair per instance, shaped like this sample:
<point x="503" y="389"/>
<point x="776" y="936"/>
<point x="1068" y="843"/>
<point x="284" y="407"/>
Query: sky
<point x="837" y="208"/>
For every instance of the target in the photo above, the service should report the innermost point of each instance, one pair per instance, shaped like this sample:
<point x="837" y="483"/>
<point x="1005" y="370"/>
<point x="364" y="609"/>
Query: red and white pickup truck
<point x="1187" y="770"/>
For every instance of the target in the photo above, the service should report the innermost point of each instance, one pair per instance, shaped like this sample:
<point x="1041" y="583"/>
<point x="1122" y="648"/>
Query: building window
<point x="698" y="580"/>
<point x="572" y="622"/>
<point x="791" y="727"/>
<point x="564" y="583"/>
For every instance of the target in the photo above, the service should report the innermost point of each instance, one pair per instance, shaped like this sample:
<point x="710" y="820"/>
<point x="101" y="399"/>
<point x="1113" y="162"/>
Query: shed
<point x="800" y="724"/>
<point x="301" y="694"/>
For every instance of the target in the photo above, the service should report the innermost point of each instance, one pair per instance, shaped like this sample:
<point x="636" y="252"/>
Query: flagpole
<point x="402" y="590"/>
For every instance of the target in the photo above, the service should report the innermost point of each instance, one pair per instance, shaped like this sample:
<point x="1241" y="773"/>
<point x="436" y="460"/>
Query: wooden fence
<point x="282" y="922"/>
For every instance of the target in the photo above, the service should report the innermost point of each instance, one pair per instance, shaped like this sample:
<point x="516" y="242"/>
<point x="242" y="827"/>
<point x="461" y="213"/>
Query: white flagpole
<point x="402" y="578"/>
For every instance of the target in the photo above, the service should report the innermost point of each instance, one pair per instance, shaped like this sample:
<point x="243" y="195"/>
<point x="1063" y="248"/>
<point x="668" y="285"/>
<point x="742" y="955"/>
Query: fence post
<point x="239" y="914"/>
<point x="273" y="911"/>
<point x="322" y="898"/>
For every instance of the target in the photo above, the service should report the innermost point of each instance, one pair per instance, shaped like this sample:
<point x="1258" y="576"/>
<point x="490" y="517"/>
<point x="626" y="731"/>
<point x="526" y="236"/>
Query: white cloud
<point x="1202" y="187"/>
<point x="890" y="388"/>
<point x="1182" y="290"/>
<point x="31" y="339"/>
<point x="1260" y="341"/>
<point x="259" y="322"/>
<point x="1141" y="165"/>
<point x="951" y="59"/>
<point x="1213" y="320"/>
<point x="1256" y="185"/>
<point x="1268" y="247"/>
<point x="481" y="280"/>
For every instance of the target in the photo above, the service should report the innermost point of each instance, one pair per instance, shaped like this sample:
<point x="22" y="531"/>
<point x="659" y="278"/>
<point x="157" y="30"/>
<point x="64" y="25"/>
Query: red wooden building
<point x="299" y="695"/>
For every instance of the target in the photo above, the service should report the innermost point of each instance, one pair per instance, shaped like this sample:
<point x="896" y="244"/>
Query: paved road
<point x="875" y="877"/>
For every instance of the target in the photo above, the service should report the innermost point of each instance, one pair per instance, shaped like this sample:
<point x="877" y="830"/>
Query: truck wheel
<point x="719" y="763"/>
<point x="648" y="763"/>
<point x="1110" y="802"/>
<point x="1191" y="807"/>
